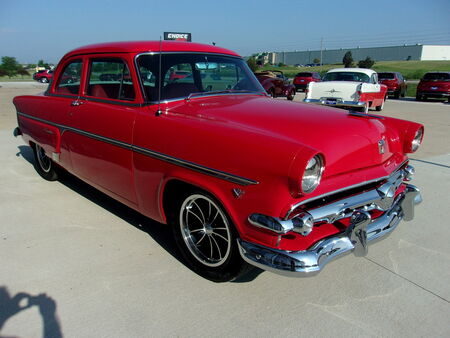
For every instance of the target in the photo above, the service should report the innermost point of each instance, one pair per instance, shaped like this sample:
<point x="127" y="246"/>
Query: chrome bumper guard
<point x="362" y="229"/>
<point x="336" y="102"/>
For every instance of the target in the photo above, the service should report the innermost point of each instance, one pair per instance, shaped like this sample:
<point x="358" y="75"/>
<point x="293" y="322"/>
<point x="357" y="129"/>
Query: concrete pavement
<point x="106" y="271"/>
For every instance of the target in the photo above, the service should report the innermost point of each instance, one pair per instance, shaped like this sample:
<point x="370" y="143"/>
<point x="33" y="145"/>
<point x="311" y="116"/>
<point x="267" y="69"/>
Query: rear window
<point x="437" y="76"/>
<point x="305" y="74"/>
<point x="386" y="76"/>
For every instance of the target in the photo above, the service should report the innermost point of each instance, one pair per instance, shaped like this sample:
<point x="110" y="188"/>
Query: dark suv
<point x="395" y="82"/>
<point x="434" y="85"/>
<point x="302" y="79"/>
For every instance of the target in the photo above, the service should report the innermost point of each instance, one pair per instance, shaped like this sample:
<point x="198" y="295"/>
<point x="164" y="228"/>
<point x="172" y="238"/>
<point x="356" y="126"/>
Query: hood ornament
<point x="381" y="146"/>
<point x="332" y="91"/>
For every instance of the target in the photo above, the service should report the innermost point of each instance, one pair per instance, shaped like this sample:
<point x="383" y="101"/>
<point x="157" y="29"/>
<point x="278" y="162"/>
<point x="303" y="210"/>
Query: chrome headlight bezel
<point x="417" y="140"/>
<point x="312" y="174"/>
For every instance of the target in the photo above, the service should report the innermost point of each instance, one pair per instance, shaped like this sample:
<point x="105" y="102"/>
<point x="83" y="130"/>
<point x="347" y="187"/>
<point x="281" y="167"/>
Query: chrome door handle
<point x="76" y="103"/>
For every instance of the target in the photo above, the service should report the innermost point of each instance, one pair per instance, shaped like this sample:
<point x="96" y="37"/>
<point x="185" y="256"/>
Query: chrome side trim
<point x="151" y="153"/>
<point x="361" y="231"/>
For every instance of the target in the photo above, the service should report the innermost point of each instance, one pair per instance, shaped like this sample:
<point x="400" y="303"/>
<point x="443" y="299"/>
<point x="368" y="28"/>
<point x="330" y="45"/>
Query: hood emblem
<point x="381" y="146"/>
<point x="332" y="91"/>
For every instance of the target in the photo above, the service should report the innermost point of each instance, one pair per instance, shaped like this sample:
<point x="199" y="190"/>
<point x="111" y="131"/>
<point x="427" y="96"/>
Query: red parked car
<point x="395" y="83"/>
<point x="43" y="76"/>
<point x="302" y="79"/>
<point x="241" y="178"/>
<point x="434" y="85"/>
<point x="276" y="84"/>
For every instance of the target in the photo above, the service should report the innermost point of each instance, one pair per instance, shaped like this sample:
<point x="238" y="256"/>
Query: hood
<point x="348" y="142"/>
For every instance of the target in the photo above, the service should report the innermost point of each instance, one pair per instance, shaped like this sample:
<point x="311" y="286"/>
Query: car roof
<point x="358" y="70"/>
<point x="148" y="46"/>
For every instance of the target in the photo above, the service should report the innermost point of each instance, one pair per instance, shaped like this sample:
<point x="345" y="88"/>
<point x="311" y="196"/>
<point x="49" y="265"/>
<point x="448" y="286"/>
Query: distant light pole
<point x="321" y="45"/>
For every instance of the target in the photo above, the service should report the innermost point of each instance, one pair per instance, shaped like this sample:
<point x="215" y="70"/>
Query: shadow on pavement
<point x="161" y="233"/>
<point x="10" y="306"/>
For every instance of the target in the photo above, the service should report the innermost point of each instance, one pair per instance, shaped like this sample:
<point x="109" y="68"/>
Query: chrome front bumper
<point x="336" y="102"/>
<point x="360" y="232"/>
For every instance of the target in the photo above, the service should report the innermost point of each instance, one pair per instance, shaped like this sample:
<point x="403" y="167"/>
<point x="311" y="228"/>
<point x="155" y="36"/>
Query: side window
<point x="374" y="78"/>
<point x="69" y="80"/>
<point x="110" y="79"/>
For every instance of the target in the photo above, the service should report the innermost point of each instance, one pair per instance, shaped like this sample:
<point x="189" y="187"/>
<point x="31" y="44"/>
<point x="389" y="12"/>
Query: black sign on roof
<point x="177" y="36"/>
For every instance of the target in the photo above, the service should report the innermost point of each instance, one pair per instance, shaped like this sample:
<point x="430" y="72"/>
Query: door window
<point x="110" y="79"/>
<point x="69" y="80"/>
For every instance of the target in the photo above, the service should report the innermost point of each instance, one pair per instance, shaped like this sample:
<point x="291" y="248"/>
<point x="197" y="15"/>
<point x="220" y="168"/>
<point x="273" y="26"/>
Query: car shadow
<point x="160" y="233"/>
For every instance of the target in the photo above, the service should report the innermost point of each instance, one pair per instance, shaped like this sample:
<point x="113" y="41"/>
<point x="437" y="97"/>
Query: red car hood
<point x="348" y="142"/>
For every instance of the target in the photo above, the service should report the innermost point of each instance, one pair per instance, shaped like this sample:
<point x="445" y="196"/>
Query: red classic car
<point x="434" y="85"/>
<point x="43" y="76"/>
<point x="395" y="83"/>
<point x="353" y="88"/>
<point x="276" y="84"/>
<point x="241" y="178"/>
<point x="302" y="79"/>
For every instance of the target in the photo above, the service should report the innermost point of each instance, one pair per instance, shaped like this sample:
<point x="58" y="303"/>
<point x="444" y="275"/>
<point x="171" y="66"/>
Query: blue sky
<point x="47" y="29"/>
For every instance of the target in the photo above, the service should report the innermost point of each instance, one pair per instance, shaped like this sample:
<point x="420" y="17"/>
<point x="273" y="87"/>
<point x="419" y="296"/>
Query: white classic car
<point x="354" y="88"/>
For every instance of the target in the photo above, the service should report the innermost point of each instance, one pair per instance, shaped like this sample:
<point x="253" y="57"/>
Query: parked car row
<point x="242" y="179"/>
<point x="43" y="76"/>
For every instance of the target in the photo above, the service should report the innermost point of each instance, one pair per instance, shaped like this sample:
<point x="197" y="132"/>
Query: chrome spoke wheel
<point x="44" y="162"/>
<point x="205" y="230"/>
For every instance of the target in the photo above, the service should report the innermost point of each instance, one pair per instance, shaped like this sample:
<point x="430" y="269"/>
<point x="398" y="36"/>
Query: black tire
<point x="44" y="80"/>
<point x="291" y="95"/>
<point x="381" y="106"/>
<point x="418" y="97"/>
<point x="397" y="94"/>
<point x="44" y="165"/>
<point x="206" y="238"/>
<point x="272" y="93"/>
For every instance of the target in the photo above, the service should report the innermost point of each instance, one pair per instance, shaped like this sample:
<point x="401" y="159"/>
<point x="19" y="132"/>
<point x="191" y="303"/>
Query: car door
<point x="102" y="123"/>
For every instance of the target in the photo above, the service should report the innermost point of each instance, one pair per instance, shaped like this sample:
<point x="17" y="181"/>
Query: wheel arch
<point x="174" y="189"/>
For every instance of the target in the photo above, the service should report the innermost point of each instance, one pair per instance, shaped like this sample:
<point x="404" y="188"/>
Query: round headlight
<point x="313" y="173"/>
<point x="415" y="144"/>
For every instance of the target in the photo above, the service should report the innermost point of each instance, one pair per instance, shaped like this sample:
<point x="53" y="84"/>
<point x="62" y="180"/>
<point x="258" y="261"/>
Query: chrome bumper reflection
<point x="337" y="102"/>
<point x="361" y="231"/>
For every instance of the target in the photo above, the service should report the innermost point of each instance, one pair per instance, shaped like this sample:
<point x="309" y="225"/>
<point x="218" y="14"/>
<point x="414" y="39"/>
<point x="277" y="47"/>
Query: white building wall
<point x="432" y="53"/>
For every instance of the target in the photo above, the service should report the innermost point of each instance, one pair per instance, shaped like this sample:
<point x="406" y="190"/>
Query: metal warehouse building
<point x="394" y="53"/>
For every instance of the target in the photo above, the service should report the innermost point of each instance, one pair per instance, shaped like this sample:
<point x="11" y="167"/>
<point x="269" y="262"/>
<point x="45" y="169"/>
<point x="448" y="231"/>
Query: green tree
<point x="41" y="63"/>
<point x="348" y="60"/>
<point x="23" y="72"/>
<point x="251" y="62"/>
<point x="10" y="66"/>
<point x="367" y="63"/>
<point x="316" y="60"/>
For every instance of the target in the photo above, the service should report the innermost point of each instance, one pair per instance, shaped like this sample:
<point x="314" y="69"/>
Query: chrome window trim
<point x="141" y="85"/>
<point x="151" y="153"/>
<point x="295" y="206"/>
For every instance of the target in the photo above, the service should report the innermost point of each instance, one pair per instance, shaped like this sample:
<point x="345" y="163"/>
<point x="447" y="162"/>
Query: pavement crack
<point x="428" y="162"/>
<point x="408" y="280"/>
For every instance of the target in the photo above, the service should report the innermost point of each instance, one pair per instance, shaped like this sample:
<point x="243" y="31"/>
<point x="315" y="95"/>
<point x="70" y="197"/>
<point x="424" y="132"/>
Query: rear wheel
<point x="44" y="80"/>
<point x="381" y="106"/>
<point x="44" y="165"/>
<point x="206" y="238"/>
<point x="291" y="95"/>
<point x="397" y="94"/>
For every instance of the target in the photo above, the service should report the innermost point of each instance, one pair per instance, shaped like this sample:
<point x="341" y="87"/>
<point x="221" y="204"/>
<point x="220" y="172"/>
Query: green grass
<point x="411" y="70"/>
<point x="16" y="78"/>
<point x="411" y="91"/>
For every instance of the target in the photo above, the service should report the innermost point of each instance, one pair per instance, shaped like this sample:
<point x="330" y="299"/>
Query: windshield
<point x="346" y="76"/>
<point x="386" y="76"/>
<point x="436" y="76"/>
<point x="304" y="75"/>
<point x="185" y="74"/>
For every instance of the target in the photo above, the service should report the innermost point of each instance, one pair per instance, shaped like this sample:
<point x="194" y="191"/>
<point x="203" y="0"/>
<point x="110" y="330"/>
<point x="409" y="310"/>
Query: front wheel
<point x="44" y="165"/>
<point x="44" y="80"/>
<point x="206" y="238"/>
